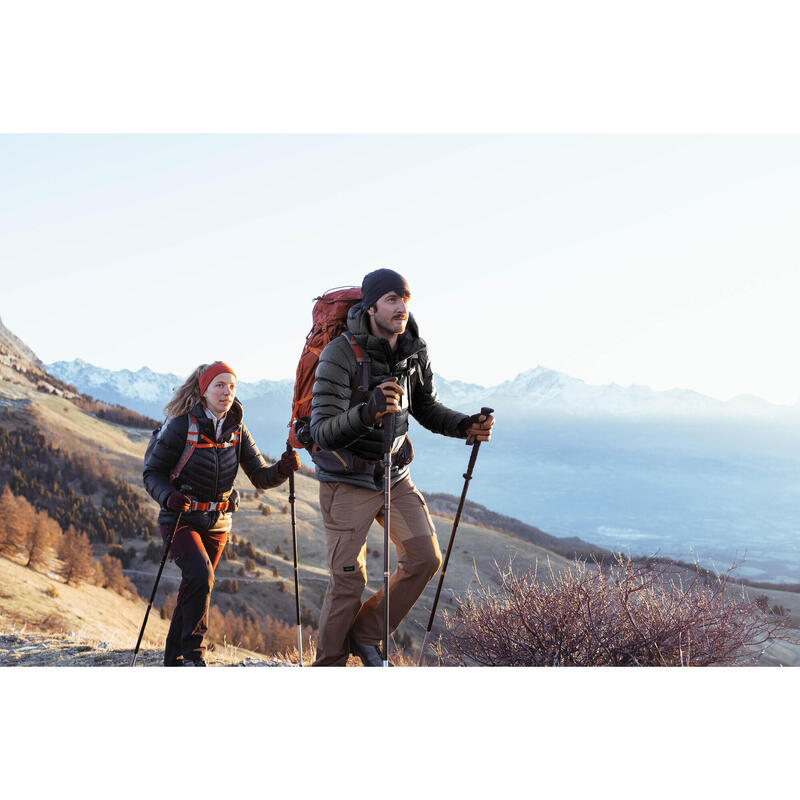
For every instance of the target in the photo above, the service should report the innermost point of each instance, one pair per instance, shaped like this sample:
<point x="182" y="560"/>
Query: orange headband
<point x="211" y="372"/>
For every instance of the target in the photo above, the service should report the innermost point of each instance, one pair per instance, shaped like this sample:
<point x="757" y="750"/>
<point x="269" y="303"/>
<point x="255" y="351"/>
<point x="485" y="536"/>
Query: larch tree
<point x="16" y="521"/>
<point x="76" y="554"/>
<point x="42" y="539"/>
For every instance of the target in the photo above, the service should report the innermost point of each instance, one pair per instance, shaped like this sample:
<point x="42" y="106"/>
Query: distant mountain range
<point x="538" y="390"/>
<point x="623" y="467"/>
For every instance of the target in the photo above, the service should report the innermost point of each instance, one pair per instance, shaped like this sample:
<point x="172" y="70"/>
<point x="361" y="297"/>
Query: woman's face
<point x="220" y="393"/>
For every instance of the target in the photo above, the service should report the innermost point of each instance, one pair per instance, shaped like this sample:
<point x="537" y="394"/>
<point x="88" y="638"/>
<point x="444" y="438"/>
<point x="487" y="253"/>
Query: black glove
<point x="289" y="463"/>
<point x="178" y="502"/>
<point x="474" y="428"/>
<point x="385" y="399"/>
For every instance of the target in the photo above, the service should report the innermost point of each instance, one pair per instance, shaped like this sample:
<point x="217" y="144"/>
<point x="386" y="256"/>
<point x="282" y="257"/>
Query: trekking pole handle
<point x="290" y="449"/>
<point x="486" y="411"/>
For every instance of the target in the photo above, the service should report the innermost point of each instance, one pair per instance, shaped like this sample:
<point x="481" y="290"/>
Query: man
<point x="346" y="425"/>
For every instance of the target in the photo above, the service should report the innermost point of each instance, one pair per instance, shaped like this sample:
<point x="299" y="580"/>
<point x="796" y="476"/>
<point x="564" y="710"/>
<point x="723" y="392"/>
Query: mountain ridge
<point x="536" y="390"/>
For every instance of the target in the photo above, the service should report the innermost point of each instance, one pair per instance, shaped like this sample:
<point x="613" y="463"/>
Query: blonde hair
<point x="186" y="396"/>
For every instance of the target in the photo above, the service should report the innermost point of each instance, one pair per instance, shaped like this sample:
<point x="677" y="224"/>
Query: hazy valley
<point x="622" y="467"/>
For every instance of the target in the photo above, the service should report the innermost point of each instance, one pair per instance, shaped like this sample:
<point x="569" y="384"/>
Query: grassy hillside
<point x="44" y="622"/>
<point x="264" y="588"/>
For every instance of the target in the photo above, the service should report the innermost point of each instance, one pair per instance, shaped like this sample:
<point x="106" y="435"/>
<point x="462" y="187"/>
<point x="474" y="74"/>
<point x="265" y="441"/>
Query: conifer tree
<point x="16" y="520"/>
<point x="76" y="554"/>
<point x="43" y="537"/>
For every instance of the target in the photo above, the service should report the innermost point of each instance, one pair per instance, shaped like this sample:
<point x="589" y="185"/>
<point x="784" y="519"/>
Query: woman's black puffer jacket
<point x="209" y="473"/>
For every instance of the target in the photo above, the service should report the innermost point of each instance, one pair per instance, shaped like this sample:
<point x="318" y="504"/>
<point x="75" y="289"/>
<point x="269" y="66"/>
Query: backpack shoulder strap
<point x="364" y="367"/>
<point x="192" y="440"/>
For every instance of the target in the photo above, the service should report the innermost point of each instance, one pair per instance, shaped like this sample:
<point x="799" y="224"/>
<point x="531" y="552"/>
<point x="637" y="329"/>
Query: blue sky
<point x="665" y="260"/>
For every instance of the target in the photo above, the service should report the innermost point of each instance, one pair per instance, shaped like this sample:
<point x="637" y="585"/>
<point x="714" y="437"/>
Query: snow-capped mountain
<point x="547" y="390"/>
<point x="144" y="391"/>
<point x="538" y="390"/>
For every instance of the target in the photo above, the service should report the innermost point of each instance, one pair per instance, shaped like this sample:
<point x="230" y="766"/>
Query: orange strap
<point x="193" y="443"/>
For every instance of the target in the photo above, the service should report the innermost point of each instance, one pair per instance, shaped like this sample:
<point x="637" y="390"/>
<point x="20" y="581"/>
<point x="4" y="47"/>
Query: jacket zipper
<point x="343" y="462"/>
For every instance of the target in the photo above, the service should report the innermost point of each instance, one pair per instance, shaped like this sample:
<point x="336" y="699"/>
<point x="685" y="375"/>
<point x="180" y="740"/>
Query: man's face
<point x="392" y="313"/>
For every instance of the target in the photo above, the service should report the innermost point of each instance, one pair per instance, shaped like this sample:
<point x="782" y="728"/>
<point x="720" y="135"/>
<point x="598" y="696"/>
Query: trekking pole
<point x="294" y="550"/>
<point x="155" y="585"/>
<point x="467" y="478"/>
<point x="388" y="440"/>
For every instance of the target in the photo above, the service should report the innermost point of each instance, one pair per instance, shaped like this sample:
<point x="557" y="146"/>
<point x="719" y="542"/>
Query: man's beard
<point x="390" y="331"/>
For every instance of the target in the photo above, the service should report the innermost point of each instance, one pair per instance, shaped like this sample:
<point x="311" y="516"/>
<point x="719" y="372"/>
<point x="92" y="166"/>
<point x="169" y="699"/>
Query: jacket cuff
<point x="462" y="426"/>
<point x="356" y="421"/>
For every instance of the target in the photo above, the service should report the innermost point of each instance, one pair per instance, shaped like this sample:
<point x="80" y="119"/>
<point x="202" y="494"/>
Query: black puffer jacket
<point x="351" y="451"/>
<point x="209" y="473"/>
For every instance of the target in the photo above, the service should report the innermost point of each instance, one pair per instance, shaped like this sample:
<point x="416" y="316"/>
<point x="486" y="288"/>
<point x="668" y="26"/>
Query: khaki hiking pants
<point x="348" y="512"/>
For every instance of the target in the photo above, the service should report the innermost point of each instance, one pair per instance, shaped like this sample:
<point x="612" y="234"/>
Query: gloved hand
<point x="178" y="502"/>
<point x="289" y="463"/>
<point x="477" y="427"/>
<point x="385" y="399"/>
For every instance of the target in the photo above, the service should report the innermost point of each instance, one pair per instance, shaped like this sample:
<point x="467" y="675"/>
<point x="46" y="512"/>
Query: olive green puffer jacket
<point x="350" y="451"/>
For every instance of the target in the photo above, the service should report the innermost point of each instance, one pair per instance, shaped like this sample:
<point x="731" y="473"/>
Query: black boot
<point x="370" y="654"/>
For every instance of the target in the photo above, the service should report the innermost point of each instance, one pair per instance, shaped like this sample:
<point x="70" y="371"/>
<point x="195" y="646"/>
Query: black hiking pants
<point x="197" y="553"/>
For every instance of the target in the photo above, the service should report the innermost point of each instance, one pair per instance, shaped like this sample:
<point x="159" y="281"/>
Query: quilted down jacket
<point x="209" y="473"/>
<point x="349" y="450"/>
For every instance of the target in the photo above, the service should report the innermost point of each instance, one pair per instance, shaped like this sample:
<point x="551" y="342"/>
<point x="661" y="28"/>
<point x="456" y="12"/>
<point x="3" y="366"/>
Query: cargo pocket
<point x="424" y="510"/>
<point x="345" y="557"/>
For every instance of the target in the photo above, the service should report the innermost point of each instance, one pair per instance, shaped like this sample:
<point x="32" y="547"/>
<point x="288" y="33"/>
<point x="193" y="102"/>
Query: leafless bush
<point x="623" y="614"/>
<point x="262" y="635"/>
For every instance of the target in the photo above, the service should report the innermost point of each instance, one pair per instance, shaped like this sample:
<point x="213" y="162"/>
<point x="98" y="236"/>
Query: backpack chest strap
<point x="197" y="441"/>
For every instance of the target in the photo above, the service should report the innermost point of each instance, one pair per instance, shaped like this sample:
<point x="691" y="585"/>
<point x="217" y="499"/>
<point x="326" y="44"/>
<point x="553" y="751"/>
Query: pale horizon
<point x="666" y="261"/>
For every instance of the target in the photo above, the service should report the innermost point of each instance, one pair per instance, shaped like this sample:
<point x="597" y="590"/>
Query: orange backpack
<point x="329" y="317"/>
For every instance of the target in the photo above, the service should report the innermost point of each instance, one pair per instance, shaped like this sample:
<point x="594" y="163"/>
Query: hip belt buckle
<point x="211" y="506"/>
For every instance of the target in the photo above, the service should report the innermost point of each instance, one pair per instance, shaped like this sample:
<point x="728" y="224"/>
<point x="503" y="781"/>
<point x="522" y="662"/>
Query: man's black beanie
<point x="378" y="283"/>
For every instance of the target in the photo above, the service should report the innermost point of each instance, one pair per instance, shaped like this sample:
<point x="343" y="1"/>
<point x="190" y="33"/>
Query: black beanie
<point x="378" y="283"/>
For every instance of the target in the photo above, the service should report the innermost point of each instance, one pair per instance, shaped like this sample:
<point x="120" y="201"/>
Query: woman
<point x="190" y="468"/>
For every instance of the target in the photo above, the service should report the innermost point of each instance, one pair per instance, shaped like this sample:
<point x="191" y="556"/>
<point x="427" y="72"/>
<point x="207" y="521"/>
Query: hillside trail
<point x="26" y="649"/>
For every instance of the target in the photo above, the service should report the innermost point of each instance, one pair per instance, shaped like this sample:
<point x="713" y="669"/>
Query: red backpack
<point x="329" y="320"/>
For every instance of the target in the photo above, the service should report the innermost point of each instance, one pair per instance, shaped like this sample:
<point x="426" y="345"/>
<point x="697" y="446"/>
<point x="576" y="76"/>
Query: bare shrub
<point x="113" y="576"/>
<point x="623" y="614"/>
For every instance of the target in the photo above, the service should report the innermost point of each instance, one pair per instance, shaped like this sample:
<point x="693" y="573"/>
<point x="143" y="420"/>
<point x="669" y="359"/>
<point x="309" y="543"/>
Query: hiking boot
<point x="370" y="654"/>
<point x="197" y="662"/>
